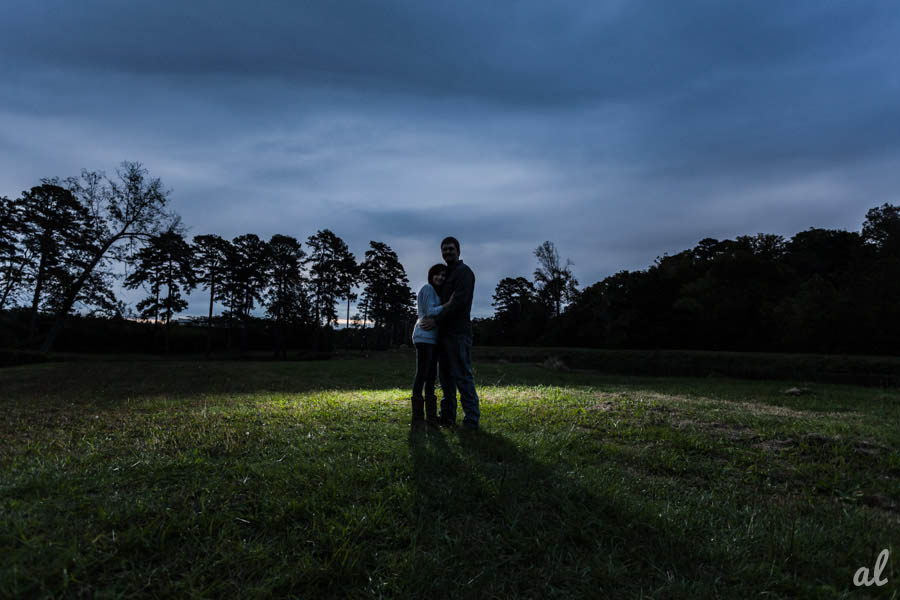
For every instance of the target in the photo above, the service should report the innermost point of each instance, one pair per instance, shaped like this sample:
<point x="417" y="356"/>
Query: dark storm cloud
<point x="531" y="52"/>
<point x="619" y="130"/>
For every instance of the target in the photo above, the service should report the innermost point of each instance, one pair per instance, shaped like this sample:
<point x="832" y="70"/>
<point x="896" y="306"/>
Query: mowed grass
<point x="239" y="479"/>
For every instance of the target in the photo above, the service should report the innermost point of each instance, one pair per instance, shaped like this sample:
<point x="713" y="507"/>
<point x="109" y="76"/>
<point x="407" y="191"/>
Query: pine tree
<point x="15" y="257"/>
<point x="286" y="299"/>
<point x="332" y="273"/>
<point x="211" y="261"/>
<point x="389" y="300"/>
<point x="245" y="280"/>
<point x="54" y="225"/>
<point x="165" y="263"/>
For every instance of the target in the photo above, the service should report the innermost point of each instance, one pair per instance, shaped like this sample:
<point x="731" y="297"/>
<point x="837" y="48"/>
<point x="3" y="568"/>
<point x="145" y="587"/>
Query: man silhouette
<point x="455" y="340"/>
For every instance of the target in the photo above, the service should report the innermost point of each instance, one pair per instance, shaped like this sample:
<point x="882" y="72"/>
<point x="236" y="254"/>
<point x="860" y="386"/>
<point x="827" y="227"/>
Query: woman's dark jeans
<point x="426" y="373"/>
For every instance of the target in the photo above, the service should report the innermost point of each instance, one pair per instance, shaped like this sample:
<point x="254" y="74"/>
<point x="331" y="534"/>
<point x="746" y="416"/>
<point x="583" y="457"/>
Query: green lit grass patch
<point x="197" y="479"/>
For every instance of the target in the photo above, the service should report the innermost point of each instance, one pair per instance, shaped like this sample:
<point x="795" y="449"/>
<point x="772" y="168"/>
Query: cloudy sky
<point x="620" y="130"/>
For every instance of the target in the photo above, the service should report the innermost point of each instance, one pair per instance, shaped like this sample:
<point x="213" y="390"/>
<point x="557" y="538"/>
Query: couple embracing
<point x="443" y="340"/>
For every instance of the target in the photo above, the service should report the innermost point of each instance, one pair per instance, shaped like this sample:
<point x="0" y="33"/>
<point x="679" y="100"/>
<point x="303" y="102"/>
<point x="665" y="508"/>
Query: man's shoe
<point x="469" y="426"/>
<point x="450" y="424"/>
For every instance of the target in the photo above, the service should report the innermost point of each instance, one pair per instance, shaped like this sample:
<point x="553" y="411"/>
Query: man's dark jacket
<point x="455" y="319"/>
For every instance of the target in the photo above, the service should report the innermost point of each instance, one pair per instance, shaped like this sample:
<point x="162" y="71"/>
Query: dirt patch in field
<point x="866" y="447"/>
<point x="755" y="408"/>
<point x="882" y="502"/>
<point x="772" y="410"/>
<point x="783" y="474"/>
<point x="869" y="447"/>
<point x="775" y="445"/>
<point x="729" y="431"/>
<point x="603" y="407"/>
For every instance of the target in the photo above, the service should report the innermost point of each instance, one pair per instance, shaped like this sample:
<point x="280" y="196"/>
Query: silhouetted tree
<point x="15" y="256"/>
<point x="517" y="314"/>
<point x="819" y="304"/>
<point x="165" y="262"/>
<point x="286" y="299"/>
<point x="332" y="271"/>
<point x="388" y="299"/>
<point x="246" y="279"/>
<point x="148" y="271"/>
<point x="881" y="231"/>
<point x="587" y="322"/>
<point x="882" y="228"/>
<point x="211" y="261"/>
<point x="555" y="283"/>
<point x="54" y="226"/>
<point x="126" y="209"/>
<point x="364" y="304"/>
<point x="511" y="295"/>
<point x="830" y="253"/>
<point x="348" y="277"/>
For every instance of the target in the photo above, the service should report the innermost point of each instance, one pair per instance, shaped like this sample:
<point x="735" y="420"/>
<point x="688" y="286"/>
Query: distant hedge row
<point x="860" y="370"/>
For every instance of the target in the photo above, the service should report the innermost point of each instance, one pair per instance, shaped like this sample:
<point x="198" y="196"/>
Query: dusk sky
<point x="619" y="130"/>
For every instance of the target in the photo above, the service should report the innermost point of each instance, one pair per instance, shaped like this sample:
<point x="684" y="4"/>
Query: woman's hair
<point x="434" y="271"/>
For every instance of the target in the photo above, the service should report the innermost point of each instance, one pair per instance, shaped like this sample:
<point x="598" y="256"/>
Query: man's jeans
<point x="456" y="374"/>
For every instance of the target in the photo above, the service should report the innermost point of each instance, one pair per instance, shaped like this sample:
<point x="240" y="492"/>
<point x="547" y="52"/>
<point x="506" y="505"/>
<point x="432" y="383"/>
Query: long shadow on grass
<point x="494" y="522"/>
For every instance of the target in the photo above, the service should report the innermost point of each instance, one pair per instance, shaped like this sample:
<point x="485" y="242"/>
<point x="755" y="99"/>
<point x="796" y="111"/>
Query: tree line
<point x="64" y="243"/>
<point x="822" y="291"/>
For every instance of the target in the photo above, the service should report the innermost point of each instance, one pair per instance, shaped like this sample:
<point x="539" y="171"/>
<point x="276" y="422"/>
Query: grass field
<point x="250" y="479"/>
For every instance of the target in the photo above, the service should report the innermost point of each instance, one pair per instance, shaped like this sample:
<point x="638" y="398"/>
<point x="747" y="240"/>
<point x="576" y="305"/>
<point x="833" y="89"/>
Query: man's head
<point x="450" y="250"/>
